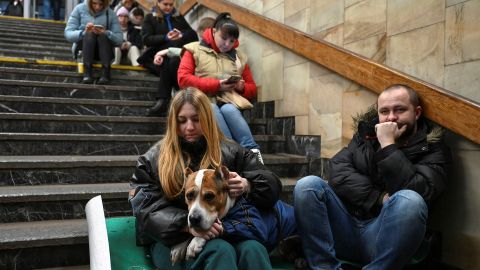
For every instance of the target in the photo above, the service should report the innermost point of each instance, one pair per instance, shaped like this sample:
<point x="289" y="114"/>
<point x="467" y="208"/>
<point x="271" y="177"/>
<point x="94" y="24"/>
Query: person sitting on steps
<point x="94" y="29"/>
<point x="132" y="40"/>
<point x="165" y="27"/>
<point x="208" y="64"/>
<point x="375" y="201"/>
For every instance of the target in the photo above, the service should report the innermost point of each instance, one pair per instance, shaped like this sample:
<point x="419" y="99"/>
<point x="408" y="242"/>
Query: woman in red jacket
<point x="208" y="64"/>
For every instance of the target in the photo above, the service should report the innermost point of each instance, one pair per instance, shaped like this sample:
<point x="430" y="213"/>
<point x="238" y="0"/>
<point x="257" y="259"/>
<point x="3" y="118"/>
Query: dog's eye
<point x="209" y="197"/>
<point x="190" y="195"/>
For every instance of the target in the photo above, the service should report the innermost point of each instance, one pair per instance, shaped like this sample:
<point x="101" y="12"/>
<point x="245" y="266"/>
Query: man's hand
<point x="237" y="185"/>
<point x="388" y="133"/>
<point x="385" y="198"/>
<point x="215" y="231"/>
<point x="158" y="59"/>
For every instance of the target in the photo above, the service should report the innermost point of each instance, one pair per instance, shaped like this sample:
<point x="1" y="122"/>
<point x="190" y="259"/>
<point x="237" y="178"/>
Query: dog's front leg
<point x="178" y="252"/>
<point x="195" y="246"/>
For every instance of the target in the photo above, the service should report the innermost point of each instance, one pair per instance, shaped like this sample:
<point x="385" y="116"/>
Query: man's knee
<point x="310" y="182"/>
<point x="219" y="246"/>
<point x="410" y="203"/>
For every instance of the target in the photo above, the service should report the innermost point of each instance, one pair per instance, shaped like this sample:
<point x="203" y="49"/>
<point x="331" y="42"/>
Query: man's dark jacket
<point x="362" y="173"/>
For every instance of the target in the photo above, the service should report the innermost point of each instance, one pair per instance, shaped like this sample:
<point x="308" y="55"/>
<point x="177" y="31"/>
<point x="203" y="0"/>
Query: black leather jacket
<point x="159" y="219"/>
<point x="362" y="173"/>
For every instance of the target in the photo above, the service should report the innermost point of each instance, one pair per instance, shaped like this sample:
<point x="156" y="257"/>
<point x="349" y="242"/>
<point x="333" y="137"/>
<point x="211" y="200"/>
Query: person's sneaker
<point x="259" y="155"/>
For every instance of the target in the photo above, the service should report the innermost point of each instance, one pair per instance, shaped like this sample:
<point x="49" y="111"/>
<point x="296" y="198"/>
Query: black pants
<point x="168" y="77"/>
<point x="96" y="47"/>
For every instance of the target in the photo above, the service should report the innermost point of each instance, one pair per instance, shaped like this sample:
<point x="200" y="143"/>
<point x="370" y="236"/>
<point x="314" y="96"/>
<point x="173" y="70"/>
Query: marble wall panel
<point x="351" y="2"/>
<point x="301" y="125"/>
<point x="373" y="48"/>
<point x="271" y="4"/>
<point x="354" y="103"/>
<point x="252" y="45"/>
<point x="365" y="19"/>
<point x="272" y="77"/>
<point x="294" y="6"/>
<point x="332" y="35"/>
<point x="405" y="15"/>
<point x="256" y="6"/>
<point x="454" y="2"/>
<point x="325" y="14"/>
<point x="419" y="53"/>
<point x="295" y="96"/>
<point x="464" y="79"/>
<point x="292" y="59"/>
<point x="462" y="32"/>
<point x="299" y="20"/>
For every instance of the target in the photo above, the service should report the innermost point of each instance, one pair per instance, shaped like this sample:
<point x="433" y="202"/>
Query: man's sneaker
<point x="259" y="155"/>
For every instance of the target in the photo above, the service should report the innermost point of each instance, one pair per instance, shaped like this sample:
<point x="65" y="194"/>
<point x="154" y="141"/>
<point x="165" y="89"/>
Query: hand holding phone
<point x="98" y="26"/>
<point x="233" y="79"/>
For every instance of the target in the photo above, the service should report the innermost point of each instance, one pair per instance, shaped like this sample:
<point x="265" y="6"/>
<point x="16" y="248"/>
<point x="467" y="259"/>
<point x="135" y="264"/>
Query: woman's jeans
<point x="234" y="126"/>
<point x="330" y="233"/>
<point x="94" y="46"/>
<point x="217" y="254"/>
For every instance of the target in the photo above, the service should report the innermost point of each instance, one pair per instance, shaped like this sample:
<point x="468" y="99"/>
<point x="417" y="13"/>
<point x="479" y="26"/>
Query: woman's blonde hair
<point x="171" y="160"/>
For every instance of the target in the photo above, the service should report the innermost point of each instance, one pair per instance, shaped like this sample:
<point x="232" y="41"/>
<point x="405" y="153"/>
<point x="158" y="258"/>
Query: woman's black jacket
<point x="160" y="219"/>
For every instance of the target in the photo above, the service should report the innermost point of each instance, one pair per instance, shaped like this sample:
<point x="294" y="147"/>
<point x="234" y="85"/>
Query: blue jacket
<point x="244" y="221"/>
<point x="81" y="15"/>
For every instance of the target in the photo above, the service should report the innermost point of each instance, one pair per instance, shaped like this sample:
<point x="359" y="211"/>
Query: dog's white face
<point x="206" y="194"/>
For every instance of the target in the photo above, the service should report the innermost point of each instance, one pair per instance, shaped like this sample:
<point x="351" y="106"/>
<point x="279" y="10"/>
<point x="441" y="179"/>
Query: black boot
<point x="105" y="78"/>
<point x="87" y="74"/>
<point x="160" y="108"/>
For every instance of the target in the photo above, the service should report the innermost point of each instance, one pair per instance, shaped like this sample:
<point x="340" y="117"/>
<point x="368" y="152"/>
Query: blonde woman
<point x="194" y="140"/>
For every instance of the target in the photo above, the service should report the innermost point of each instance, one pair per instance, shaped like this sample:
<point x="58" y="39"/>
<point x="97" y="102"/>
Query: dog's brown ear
<point x="187" y="171"/>
<point x="225" y="172"/>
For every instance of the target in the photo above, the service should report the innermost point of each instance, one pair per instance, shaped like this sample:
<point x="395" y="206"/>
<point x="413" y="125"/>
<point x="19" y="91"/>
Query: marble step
<point x="15" y="41"/>
<point x="58" y="202"/>
<point x="75" y="106"/>
<point x="76" y="90"/>
<point x="40" y="24"/>
<point x="34" y="31"/>
<point x="38" y="170"/>
<point x="119" y="77"/>
<point x="62" y="123"/>
<point x="37" y="54"/>
<point x="14" y="144"/>
<point x="35" y="47"/>
<point x="58" y="39"/>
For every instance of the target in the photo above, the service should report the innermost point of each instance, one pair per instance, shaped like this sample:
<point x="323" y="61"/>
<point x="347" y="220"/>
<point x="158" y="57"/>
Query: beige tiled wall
<point x="435" y="40"/>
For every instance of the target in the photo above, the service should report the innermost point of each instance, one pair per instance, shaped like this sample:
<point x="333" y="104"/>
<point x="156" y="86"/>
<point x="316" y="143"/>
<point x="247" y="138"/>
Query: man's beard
<point x="409" y="132"/>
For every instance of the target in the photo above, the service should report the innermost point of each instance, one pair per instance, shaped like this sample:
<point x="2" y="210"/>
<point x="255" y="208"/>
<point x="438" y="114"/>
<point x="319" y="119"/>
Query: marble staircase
<point x="63" y="143"/>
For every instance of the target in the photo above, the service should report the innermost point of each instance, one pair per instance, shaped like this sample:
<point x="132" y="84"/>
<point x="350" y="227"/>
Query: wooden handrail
<point x="442" y="106"/>
<point x="187" y="6"/>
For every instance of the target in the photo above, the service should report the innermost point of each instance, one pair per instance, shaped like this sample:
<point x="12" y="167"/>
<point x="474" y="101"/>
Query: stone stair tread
<point x="76" y="85"/>
<point x="83" y="101"/>
<point x="71" y="192"/>
<point x="78" y="267"/>
<point x="70" y="117"/>
<point x="66" y="192"/>
<point x="18" y="162"/>
<point x="102" y="137"/>
<point x="31" y="71"/>
<point x="43" y="233"/>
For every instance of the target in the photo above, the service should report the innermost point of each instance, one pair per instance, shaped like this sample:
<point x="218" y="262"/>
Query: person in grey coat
<point x="94" y="29"/>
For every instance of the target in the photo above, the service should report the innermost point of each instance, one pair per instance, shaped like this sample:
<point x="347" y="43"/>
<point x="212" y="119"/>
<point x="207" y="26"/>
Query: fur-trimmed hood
<point x="364" y="124"/>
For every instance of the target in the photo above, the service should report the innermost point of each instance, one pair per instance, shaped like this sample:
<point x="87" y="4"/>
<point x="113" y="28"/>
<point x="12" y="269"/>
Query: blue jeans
<point x="234" y="126"/>
<point x="329" y="232"/>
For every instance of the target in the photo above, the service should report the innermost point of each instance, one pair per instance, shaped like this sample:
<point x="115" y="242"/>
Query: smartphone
<point x="234" y="79"/>
<point x="98" y="26"/>
<point x="176" y="30"/>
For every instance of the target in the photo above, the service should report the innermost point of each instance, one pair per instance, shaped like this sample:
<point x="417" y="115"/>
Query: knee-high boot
<point x="87" y="74"/>
<point x="105" y="78"/>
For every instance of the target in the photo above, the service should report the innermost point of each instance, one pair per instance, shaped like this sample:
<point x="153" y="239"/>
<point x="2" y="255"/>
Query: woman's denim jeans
<point x="234" y="126"/>
<point x="330" y="233"/>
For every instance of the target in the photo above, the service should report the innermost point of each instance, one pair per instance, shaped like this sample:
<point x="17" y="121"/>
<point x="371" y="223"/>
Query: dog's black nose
<point x="194" y="220"/>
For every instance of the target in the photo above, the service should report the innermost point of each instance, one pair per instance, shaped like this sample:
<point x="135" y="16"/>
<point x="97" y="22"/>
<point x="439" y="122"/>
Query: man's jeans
<point x="330" y="233"/>
<point x="234" y="126"/>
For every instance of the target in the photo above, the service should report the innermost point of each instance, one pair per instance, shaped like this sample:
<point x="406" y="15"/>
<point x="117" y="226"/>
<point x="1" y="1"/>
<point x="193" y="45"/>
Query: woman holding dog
<point x="193" y="140"/>
<point x="208" y="65"/>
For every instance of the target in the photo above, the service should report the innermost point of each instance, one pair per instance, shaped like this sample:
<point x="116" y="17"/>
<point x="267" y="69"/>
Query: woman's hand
<point x="99" y="31"/>
<point x="237" y="185"/>
<point x="225" y="87"/>
<point x="215" y="231"/>
<point x="158" y="59"/>
<point x="89" y="27"/>
<point x="175" y="34"/>
<point x="240" y="86"/>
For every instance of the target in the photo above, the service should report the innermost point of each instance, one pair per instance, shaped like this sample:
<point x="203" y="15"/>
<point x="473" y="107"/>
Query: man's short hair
<point x="204" y="23"/>
<point x="414" y="99"/>
<point x="138" y="12"/>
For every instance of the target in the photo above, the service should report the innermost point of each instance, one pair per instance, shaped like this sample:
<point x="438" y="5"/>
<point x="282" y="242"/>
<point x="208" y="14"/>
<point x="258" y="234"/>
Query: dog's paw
<point x="195" y="246"/>
<point x="178" y="252"/>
